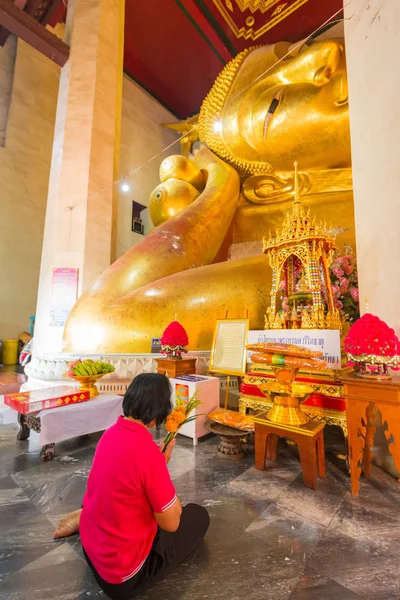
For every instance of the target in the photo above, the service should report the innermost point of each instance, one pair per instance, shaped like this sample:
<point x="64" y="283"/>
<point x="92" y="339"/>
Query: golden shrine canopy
<point x="300" y="254"/>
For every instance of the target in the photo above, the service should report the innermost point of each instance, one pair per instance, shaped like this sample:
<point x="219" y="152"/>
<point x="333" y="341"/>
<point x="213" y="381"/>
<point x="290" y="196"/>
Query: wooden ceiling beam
<point x="24" y="26"/>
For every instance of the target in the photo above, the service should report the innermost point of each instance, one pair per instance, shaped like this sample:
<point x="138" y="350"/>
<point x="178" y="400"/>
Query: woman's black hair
<point x="148" y="398"/>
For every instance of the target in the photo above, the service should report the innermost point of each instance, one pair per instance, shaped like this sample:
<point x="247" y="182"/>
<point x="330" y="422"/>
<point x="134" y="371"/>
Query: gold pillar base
<point x="283" y="413"/>
<point x="287" y="400"/>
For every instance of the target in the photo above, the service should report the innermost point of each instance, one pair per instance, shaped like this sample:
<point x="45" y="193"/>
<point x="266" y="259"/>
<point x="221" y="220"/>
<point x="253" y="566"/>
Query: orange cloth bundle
<point x="286" y="349"/>
<point x="280" y="360"/>
<point x="230" y="418"/>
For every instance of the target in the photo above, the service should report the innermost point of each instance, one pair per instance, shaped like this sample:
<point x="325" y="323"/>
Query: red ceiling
<point x="176" y="48"/>
<point x="243" y="23"/>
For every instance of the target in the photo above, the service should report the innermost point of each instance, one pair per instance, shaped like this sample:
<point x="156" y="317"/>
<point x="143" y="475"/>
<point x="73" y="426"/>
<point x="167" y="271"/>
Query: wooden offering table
<point x="309" y="439"/>
<point x="363" y="397"/>
<point x="176" y="367"/>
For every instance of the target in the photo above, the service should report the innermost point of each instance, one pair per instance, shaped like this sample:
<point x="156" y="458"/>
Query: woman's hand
<point x="168" y="451"/>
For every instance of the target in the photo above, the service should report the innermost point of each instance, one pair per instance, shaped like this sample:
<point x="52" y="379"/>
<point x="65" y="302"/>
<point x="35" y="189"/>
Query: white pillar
<point x="79" y="218"/>
<point x="372" y="50"/>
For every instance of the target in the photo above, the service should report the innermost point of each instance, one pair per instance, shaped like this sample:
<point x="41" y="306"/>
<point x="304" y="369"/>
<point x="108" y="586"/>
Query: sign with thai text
<point x="64" y="294"/>
<point x="322" y="340"/>
<point x="156" y="345"/>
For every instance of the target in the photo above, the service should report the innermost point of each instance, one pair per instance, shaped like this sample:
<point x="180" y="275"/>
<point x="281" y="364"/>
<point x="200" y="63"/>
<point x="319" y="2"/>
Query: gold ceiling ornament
<point x="279" y="9"/>
<point x="301" y="244"/>
<point x="210" y="114"/>
<point x="254" y="6"/>
<point x="189" y="132"/>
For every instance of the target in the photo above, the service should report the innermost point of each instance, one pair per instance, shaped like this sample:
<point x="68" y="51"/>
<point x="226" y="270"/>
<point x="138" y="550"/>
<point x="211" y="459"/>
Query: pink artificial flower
<point x="348" y="269"/>
<point x="354" y="294"/>
<point x="344" y="284"/>
<point x="285" y="305"/>
<point x="339" y="304"/>
<point x="282" y="286"/>
<point x="338" y="271"/>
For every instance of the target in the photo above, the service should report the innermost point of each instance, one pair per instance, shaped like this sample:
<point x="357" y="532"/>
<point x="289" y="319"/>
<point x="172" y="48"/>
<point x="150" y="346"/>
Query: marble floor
<point x="270" y="537"/>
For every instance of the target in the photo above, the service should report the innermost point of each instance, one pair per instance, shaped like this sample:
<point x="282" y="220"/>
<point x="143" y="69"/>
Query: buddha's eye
<point x="272" y="108"/>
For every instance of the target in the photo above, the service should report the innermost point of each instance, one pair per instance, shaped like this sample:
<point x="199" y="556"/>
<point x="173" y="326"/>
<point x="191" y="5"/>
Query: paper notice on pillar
<point x="64" y="294"/>
<point x="323" y="340"/>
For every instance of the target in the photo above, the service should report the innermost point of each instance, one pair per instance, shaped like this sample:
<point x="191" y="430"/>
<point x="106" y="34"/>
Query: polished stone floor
<point x="270" y="537"/>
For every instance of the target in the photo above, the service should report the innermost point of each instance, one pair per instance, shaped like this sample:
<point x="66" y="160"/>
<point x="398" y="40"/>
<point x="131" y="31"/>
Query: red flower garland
<point x="369" y="336"/>
<point x="174" y="339"/>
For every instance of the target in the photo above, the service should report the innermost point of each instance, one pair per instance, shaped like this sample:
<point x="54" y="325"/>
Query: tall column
<point x="79" y="231"/>
<point x="372" y="48"/>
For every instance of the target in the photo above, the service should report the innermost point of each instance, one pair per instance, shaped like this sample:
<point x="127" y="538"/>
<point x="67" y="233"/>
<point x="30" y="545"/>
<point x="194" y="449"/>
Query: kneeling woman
<point x="132" y="526"/>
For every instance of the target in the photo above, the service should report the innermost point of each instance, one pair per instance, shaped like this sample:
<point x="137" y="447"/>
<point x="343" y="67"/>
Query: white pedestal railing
<point x="47" y="371"/>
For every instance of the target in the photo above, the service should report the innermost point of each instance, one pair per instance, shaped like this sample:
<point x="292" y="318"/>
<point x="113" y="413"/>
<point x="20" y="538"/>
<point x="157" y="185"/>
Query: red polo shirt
<point x="128" y="483"/>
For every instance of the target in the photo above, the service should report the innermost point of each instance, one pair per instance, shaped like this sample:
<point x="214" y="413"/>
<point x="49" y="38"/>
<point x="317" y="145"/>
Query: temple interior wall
<point x="25" y="166"/>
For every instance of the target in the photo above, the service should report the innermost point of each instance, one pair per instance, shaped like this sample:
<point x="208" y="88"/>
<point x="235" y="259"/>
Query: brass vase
<point x="88" y="383"/>
<point x="287" y="397"/>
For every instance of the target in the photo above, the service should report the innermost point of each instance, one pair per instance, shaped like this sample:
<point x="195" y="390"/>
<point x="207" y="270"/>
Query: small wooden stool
<point x="309" y="439"/>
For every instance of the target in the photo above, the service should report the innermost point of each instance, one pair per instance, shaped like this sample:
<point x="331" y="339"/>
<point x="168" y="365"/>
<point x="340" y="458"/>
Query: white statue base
<point x="47" y="371"/>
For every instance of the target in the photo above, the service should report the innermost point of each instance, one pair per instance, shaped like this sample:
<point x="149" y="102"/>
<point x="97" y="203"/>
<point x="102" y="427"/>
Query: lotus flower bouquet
<point x="179" y="417"/>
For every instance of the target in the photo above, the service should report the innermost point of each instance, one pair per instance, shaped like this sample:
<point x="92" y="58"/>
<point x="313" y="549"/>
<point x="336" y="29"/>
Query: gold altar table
<point x="326" y="405"/>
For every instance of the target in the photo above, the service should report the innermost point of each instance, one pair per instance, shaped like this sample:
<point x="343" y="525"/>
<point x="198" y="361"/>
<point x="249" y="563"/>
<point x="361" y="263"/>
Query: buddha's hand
<point x="183" y="181"/>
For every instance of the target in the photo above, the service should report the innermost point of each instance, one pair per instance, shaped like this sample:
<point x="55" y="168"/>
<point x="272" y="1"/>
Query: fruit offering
<point x="89" y="368"/>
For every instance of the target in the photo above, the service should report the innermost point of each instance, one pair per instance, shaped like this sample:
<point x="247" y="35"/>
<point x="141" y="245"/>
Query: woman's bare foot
<point x="68" y="525"/>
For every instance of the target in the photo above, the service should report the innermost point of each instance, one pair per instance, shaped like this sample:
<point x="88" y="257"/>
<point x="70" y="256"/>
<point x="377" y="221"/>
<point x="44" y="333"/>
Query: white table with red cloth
<point x="65" y="422"/>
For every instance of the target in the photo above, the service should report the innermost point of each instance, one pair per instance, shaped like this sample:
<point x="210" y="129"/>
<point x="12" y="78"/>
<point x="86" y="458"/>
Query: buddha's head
<point x="271" y="106"/>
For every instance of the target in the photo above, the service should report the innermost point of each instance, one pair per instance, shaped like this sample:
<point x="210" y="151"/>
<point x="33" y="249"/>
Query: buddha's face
<point x="298" y="110"/>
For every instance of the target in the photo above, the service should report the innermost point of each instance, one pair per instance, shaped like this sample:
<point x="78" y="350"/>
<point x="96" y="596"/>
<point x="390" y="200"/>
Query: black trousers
<point x="168" y="551"/>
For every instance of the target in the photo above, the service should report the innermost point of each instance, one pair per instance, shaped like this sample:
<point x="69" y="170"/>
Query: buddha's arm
<point x="189" y="240"/>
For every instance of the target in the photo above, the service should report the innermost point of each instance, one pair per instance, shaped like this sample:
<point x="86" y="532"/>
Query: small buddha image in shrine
<point x="300" y="254"/>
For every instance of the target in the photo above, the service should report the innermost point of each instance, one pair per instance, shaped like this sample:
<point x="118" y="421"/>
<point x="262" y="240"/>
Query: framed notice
<point x="64" y="294"/>
<point x="228" y="352"/>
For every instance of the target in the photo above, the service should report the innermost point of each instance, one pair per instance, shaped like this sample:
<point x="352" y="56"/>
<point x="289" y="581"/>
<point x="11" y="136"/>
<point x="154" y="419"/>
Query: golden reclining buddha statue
<point x="269" y="107"/>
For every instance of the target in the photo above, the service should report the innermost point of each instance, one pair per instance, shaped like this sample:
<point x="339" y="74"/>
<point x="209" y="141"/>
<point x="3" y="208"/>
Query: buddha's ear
<point x="188" y="130"/>
<point x="298" y="47"/>
<point x="274" y="187"/>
